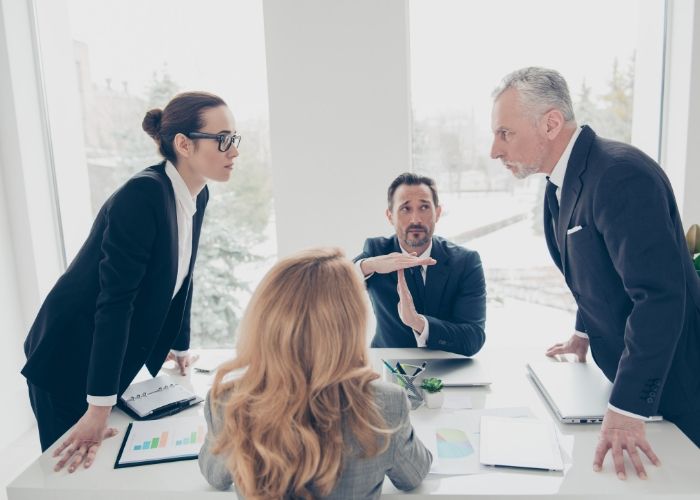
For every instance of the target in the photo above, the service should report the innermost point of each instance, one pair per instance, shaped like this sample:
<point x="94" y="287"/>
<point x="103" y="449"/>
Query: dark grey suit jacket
<point x="631" y="274"/>
<point x="454" y="301"/>
<point x="406" y="462"/>
<point x="113" y="309"/>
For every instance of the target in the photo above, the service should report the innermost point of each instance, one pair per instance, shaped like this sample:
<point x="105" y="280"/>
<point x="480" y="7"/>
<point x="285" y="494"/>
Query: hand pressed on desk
<point x="575" y="345"/>
<point x="85" y="439"/>
<point x="182" y="362"/>
<point x="620" y="432"/>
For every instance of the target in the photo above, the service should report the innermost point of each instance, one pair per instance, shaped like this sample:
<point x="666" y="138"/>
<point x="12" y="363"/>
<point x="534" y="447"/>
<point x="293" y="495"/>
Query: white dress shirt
<point x="185" y="208"/>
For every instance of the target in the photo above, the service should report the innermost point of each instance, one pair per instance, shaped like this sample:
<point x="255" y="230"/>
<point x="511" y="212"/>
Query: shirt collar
<point x="559" y="171"/>
<point x="182" y="192"/>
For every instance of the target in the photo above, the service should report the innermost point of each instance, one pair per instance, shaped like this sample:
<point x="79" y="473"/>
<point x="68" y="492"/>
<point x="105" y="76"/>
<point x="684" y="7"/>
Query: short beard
<point x="521" y="171"/>
<point x="417" y="243"/>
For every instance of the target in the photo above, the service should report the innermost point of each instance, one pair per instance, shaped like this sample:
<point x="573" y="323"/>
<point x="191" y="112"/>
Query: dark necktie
<point x="420" y="287"/>
<point x="550" y="194"/>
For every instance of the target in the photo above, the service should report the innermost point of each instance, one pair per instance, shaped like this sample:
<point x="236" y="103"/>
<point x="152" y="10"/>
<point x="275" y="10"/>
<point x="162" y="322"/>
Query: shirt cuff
<point x="583" y="335"/>
<point x="422" y="338"/>
<point x="102" y="400"/>
<point x="359" y="270"/>
<point x="626" y="413"/>
<point x="180" y="354"/>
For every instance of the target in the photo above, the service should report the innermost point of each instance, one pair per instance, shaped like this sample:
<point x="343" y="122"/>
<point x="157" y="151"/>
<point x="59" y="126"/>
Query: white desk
<point x="679" y="476"/>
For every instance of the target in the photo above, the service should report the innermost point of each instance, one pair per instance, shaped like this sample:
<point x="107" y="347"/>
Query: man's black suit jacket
<point x="454" y="305"/>
<point x="113" y="310"/>
<point x="631" y="274"/>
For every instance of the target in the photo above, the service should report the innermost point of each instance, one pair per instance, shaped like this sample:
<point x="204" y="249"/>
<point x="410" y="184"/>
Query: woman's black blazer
<point x="113" y="310"/>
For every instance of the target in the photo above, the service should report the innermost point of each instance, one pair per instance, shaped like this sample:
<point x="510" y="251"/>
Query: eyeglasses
<point x="225" y="140"/>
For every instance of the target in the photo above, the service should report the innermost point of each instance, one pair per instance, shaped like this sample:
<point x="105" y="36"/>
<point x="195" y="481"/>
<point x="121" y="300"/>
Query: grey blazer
<point x="406" y="462"/>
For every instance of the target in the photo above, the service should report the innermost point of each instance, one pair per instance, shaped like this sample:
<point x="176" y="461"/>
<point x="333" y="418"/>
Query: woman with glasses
<point x="299" y="413"/>
<point x="125" y="299"/>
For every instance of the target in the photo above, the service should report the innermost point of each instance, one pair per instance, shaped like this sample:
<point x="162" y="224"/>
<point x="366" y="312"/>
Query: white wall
<point x="340" y="128"/>
<point x="681" y="122"/>
<point x="30" y="259"/>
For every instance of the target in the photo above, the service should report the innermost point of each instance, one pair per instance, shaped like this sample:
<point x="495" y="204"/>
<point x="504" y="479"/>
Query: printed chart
<point x="174" y="438"/>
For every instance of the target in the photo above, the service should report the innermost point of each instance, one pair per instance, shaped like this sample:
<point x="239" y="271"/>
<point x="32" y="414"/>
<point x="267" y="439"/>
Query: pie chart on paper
<point x="453" y="443"/>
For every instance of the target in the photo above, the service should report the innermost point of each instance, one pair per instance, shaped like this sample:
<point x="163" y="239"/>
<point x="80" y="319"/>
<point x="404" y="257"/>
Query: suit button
<point x="650" y="400"/>
<point x="652" y="394"/>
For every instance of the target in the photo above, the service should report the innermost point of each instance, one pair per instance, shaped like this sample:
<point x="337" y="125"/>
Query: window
<point x="611" y="56"/>
<point x="131" y="56"/>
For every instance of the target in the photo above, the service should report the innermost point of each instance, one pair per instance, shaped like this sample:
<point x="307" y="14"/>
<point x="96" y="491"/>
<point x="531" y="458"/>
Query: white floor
<point x="17" y="456"/>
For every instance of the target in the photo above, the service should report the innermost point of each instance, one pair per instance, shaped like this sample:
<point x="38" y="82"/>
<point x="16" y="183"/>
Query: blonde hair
<point x="305" y="366"/>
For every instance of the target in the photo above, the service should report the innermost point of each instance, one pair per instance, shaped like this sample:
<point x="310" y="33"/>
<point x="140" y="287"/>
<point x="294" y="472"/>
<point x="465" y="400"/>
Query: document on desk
<point x="520" y="442"/>
<point x="165" y="440"/>
<point x="453" y="437"/>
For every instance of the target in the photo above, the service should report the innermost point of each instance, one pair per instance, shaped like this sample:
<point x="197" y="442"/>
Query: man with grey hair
<point x="613" y="228"/>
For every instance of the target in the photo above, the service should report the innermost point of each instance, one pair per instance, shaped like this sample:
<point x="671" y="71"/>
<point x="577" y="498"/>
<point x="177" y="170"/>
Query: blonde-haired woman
<point x="299" y="413"/>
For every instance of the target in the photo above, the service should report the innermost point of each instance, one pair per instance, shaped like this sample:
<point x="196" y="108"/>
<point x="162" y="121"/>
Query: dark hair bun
<point x="151" y="123"/>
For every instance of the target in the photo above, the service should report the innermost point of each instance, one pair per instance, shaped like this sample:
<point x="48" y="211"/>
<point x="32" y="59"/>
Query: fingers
<point x="634" y="457"/>
<point x="402" y="288"/>
<point x="64" y="460"/>
<point x="618" y="459"/>
<point x="556" y="349"/>
<point x="600" y="452"/>
<point x="78" y="458"/>
<point x="646" y="448"/>
<point x="92" y="452"/>
<point x="581" y="356"/>
<point x="65" y="444"/>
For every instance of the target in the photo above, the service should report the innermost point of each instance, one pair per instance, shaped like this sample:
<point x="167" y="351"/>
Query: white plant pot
<point x="433" y="399"/>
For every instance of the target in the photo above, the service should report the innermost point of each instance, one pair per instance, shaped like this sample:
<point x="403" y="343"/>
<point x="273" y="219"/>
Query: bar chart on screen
<point x="162" y="440"/>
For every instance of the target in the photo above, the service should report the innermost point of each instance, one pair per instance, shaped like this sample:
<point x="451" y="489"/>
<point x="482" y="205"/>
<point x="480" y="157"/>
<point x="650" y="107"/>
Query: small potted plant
<point x="432" y="392"/>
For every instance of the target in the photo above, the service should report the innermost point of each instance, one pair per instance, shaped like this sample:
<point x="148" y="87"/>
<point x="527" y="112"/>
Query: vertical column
<point x="340" y="128"/>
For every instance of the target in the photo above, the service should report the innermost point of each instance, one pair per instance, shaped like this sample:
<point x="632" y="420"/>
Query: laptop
<point x="454" y="372"/>
<point x="577" y="393"/>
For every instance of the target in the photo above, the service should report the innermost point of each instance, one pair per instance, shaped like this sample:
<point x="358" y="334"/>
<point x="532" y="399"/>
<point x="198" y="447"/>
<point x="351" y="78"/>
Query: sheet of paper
<point x="453" y="437"/>
<point x="168" y="438"/>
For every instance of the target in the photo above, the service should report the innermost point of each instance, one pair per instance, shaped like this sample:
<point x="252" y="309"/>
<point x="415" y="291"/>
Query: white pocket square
<point x="574" y="229"/>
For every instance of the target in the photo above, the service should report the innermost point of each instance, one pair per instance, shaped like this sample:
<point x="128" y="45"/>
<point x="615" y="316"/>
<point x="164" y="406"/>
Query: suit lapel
<point x="435" y="279"/>
<point x="571" y="188"/>
<point x="171" y="216"/>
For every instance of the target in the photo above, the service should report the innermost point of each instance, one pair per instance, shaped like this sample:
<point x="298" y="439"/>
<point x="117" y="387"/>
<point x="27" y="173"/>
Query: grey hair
<point x="540" y="90"/>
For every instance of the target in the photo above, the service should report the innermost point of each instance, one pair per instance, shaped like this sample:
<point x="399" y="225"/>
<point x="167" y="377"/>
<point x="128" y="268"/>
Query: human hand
<point x="620" y="432"/>
<point x="394" y="261"/>
<point x="407" y="310"/>
<point x="575" y="345"/>
<point x="85" y="439"/>
<point x="182" y="362"/>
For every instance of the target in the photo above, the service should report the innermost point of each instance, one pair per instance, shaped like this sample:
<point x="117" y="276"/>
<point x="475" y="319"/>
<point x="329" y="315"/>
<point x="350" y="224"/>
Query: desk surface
<point x="679" y="476"/>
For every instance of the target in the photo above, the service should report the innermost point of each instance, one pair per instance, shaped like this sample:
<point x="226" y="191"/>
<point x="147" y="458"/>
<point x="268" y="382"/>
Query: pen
<point x="389" y="366"/>
<point x="400" y="368"/>
<point x="420" y="368"/>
